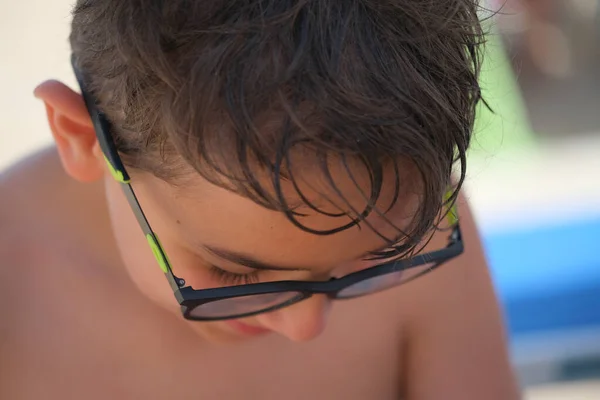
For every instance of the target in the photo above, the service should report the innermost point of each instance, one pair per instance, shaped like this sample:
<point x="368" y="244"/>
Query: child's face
<point x="198" y="216"/>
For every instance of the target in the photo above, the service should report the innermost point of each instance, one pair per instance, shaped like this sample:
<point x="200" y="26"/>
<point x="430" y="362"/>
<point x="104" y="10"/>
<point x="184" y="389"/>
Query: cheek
<point x="135" y="251"/>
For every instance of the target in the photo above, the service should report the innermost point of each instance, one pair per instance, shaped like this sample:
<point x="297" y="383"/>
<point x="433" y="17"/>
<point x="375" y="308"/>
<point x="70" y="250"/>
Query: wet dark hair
<point x="233" y="87"/>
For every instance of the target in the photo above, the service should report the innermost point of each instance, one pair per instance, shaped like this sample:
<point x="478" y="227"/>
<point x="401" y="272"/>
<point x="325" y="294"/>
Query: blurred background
<point x="533" y="175"/>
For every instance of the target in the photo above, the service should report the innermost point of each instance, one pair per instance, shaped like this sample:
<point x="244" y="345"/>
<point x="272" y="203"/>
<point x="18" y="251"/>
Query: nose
<point x="300" y="322"/>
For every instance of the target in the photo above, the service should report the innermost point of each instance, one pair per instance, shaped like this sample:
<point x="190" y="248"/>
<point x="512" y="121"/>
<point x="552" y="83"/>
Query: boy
<point x="288" y="155"/>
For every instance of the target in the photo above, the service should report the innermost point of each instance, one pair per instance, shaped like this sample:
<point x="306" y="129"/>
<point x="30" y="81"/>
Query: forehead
<point x="203" y="214"/>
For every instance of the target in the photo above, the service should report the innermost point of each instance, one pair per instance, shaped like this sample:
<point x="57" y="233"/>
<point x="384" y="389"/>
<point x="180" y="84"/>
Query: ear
<point x="73" y="131"/>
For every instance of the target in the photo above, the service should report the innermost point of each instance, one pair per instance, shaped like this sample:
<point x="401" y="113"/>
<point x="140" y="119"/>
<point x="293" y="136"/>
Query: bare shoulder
<point x="42" y="252"/>
<point x="456" y="335"/>
<point x="35" y="202"/>
<point x="26" y="191"/>
<point x="26" y="196"/>
<point x="21" y="256"/>
<point x="18" y="259"/>
<point x="40" y="205"/>
<point x="15" y="243"/>
<point x="21" y="200"/>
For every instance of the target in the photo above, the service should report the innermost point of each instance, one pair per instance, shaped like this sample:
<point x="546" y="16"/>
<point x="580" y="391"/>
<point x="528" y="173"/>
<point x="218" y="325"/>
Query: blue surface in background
<point x="548" y="278"/>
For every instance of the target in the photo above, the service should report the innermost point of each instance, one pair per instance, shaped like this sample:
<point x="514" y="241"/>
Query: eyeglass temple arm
<point x="101" y="127"/>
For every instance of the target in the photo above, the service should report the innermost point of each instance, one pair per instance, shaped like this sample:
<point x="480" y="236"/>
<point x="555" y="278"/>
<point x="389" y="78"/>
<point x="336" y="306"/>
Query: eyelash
<point x="229" y="278"/>
<point x="232" y="278"/>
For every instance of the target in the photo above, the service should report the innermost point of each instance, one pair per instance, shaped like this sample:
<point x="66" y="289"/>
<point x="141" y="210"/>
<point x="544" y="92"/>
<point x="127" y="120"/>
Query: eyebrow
<point x="248" y="261"/>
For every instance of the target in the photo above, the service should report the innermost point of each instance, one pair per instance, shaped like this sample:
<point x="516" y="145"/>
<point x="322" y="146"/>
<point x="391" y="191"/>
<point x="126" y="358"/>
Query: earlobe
<point x="72" y="130"/>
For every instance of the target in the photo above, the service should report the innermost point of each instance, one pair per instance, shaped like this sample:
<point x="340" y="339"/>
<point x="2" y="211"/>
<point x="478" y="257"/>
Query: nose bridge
<point x="302" y="321"/>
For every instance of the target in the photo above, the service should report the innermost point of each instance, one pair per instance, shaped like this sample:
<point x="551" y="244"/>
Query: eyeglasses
<point x="251" y="299"/>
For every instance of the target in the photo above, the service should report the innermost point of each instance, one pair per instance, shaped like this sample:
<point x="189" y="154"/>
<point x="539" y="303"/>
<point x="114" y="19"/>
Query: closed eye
<point x="228" y="278"/>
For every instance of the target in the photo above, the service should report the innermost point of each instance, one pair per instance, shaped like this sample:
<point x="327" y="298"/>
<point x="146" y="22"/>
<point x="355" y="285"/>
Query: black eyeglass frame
<point x="190" y="298"/>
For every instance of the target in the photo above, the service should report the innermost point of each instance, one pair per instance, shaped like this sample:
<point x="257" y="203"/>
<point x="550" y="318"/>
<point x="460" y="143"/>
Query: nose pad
<point x="300" y="322"/>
